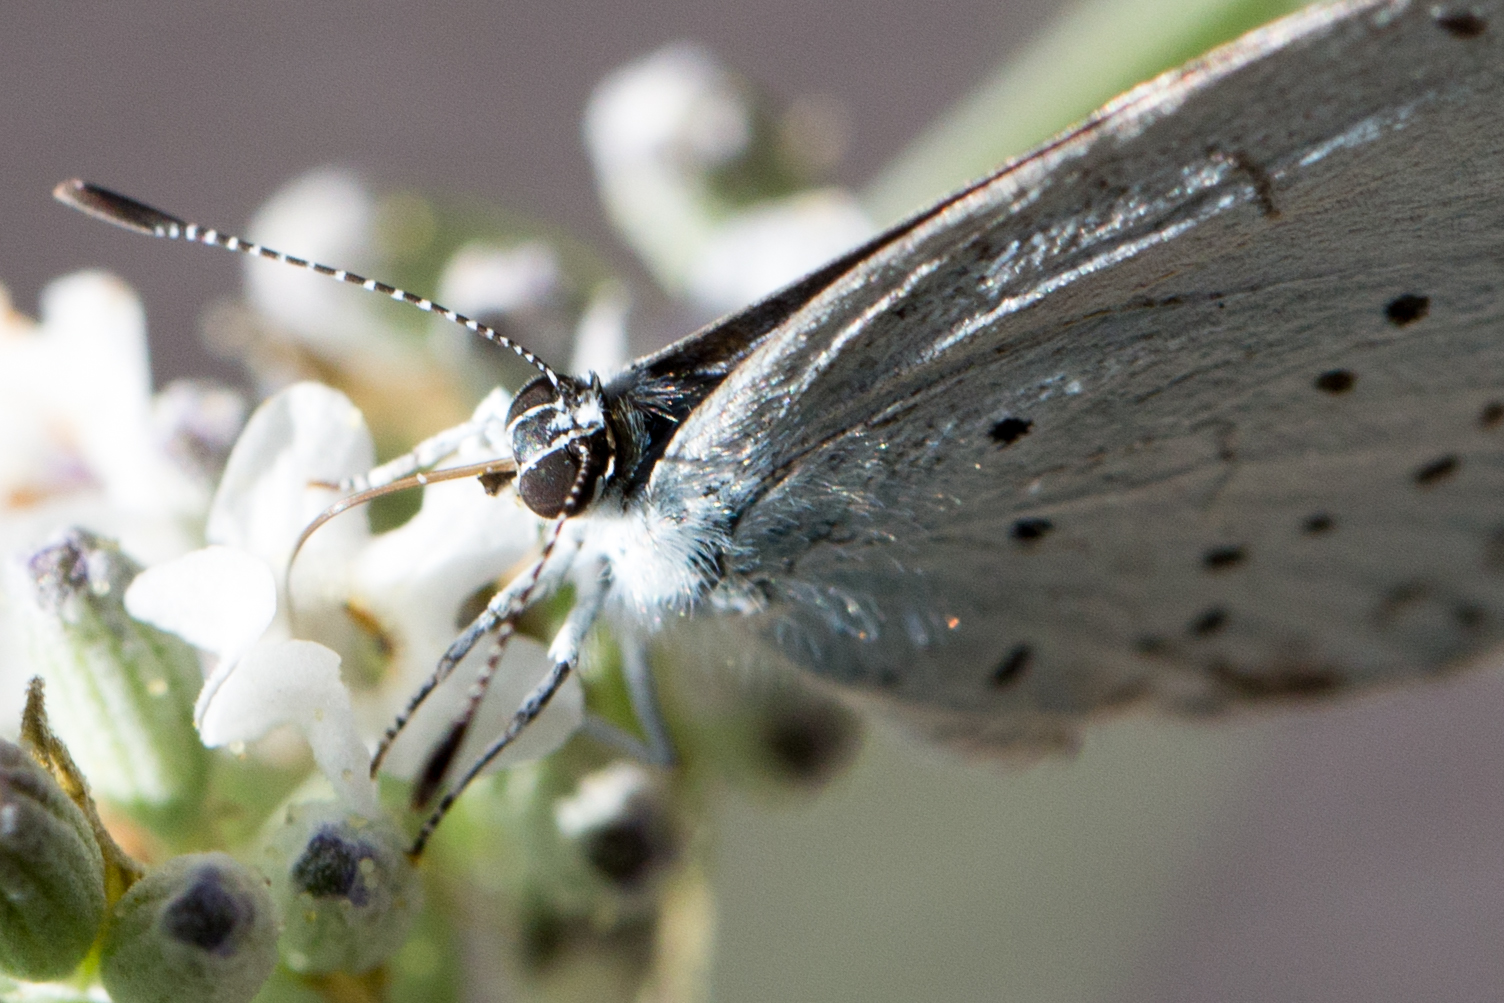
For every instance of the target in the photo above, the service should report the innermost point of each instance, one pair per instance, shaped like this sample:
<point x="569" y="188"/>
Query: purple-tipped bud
<point x="120" y="692"/>
<point x="201" y="927"/>
<point x="345" y="885"/>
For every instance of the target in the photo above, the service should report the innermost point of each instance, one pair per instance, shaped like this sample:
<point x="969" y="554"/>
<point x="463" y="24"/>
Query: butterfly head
<point x="561" y="442"/>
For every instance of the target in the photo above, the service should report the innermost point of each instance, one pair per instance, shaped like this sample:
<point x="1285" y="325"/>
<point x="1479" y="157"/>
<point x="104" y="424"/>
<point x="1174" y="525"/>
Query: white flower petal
<point x="75" y="403"/>
<point x="601" y="798"/>
<point x="482" y="278"/>
<point x="77" y="447"/>
<point x="304" y="435"/>
<point x="297" y="683"/>
<point x="96" y="322"/>
<point x="551" y="729"/>
<point x="219" y="599"/>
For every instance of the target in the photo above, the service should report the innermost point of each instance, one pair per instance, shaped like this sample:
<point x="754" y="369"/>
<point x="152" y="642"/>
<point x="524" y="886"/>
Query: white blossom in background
<point x="84" y="443"/>
<point x="657" y="130"/>
<point x="277" y="656"/>
<point x="325" y="215"/>
<point x="600" y="340"/>
<point x="79" y="442"/>
<point x="521" y="286"/>
<point x="483" y="278"/>
<point x="519" y="283"/>
<point x="524" y="289"/>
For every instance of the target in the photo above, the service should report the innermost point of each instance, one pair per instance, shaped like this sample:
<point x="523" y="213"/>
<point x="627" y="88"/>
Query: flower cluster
<point x="191" y="813"/>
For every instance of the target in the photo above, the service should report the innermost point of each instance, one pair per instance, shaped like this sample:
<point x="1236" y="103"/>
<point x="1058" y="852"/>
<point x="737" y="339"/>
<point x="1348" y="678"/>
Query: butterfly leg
<point x="564" y="653"/>
<point x="436" y="766"/>
<point x="503" y="609"/>
<point x="490" y="417"/>
<point x="424" y="455"/>
<point x="656" y="747"/>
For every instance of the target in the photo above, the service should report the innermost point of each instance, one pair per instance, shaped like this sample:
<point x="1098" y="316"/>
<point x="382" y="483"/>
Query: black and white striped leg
<point x="564" y="653"/>
<point x="503" y="609"/>
<point x="436" y="766"/>
<point x="655" y="747"/>
<point x="424" y="456"/>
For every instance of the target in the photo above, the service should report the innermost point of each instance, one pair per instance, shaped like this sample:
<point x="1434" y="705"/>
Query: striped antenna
<point x="101" y="203"/>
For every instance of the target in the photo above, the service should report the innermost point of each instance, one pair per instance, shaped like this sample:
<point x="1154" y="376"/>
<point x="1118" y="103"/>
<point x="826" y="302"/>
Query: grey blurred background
<point x="1342" y="853"/>
<point x="207" y="108"/>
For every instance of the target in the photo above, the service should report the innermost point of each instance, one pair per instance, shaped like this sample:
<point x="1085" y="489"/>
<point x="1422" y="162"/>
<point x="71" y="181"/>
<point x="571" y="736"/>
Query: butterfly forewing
<point x="1200" y="403"/>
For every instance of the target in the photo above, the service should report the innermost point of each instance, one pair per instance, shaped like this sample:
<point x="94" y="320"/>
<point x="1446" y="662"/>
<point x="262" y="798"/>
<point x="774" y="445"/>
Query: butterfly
<point x="1199" y="404"/>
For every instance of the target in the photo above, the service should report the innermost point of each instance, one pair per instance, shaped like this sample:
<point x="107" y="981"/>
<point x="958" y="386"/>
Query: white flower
<point x="78" y="440"/>
<point x="324" y="215"/>
<point x="658" y="130"/>
<point x="524" y="284"/>
<point x="278" y="658"/>
<point x="83" y="443"/>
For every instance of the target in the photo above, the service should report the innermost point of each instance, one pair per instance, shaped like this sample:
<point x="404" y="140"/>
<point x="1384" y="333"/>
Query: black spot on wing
<point x="1208" y="622"/>
<point x="1263" y="185"/>
<point x="1491" y="415"/>
<point x="1437" y="470"/>
<point x="1469" y="617"/>
<point x="1222" y="558"/>
<point x="1461" y="23"/>
<point x="1030" y="530"/>
<point x="1014" y="664"/>
<point x="1010" y="430"/>
<point x="1336" y="381"/>
<point x="1407" y="309"/>
<point x="1318" y="523"/>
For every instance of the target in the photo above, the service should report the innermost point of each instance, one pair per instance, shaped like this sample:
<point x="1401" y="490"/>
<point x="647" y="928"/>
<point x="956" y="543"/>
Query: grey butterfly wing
<point x="1200" y="403"/>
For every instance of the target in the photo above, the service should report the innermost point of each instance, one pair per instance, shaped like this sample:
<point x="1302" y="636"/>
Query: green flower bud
<point x="201" y="927"/>
<point x="51" y="873"/>
<point x="347" y="890"/>
<point x="621" y="823"/>
<point x="120" y="692"/>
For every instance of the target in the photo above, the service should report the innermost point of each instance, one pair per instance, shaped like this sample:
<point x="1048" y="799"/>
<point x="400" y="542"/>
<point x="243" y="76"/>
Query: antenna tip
<point x="101" y="203"/>
<point x="64" y="192"/>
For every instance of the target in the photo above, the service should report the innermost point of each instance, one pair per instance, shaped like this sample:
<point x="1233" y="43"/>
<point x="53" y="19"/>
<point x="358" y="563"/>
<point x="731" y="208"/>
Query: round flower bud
<point x="621" y="822"/>
<point x="51" y="873"/>
<point x="347" y="890"/>
<point x="200" y="927"/>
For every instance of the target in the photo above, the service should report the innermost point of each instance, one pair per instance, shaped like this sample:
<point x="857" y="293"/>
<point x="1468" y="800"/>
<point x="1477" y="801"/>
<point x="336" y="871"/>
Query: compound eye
<point x="532" y="434"/>
<point x="535" y="392"/>
<point x="544" y="487"/>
